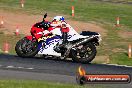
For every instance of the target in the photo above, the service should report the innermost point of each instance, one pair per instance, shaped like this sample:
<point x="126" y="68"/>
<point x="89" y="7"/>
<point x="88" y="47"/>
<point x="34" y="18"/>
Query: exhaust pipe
<point x="76" y="44"/>
<point x="83" y="41"/>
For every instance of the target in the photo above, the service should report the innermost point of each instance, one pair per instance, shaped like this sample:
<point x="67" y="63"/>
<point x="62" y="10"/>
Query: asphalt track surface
<point x="14" y="67"/>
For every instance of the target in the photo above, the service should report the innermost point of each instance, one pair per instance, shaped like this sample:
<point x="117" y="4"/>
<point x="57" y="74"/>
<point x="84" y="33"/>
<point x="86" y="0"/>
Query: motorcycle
<point x="80" y="47"/>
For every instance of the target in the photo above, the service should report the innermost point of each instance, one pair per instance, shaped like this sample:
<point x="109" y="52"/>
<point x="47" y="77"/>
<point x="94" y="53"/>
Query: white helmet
<point x="59" y="18"/>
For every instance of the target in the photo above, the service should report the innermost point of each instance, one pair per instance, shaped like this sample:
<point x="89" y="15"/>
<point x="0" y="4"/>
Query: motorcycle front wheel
<point x="26" y="48"/>
<point x="84" y="55"/>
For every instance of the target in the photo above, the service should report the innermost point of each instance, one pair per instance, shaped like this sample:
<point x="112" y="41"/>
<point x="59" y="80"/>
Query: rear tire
<point x="83" y="58"/>
<point x="21" y="53"/>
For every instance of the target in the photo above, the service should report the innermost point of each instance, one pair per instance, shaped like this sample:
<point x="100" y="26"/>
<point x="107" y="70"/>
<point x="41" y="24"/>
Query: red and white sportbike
<point x="80" y="47"/>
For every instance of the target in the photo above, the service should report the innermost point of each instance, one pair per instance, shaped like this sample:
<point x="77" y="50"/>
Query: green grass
<point x="39" y="84"/>
<point x="120" y="59"/>
<point x="85" y="10"/>
<point x="32" y="84"/>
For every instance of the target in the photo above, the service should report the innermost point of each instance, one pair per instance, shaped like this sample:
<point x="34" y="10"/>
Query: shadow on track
<point x="8" y="56"/>
<point x="52" y="58"/>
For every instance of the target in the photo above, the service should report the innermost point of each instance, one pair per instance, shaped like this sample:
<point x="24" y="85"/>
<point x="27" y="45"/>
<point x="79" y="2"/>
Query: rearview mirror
<point x="45" y="15"/>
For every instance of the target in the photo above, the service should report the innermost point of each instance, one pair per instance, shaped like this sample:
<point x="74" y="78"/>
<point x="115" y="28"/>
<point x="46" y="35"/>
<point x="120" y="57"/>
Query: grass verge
<point x="121" y="59"/>
<point x="31" y="84"/>
<point x="40" y="84"/>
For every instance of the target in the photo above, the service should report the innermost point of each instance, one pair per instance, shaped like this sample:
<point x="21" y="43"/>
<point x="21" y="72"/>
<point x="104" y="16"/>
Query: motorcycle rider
<point x="59" y="21"/>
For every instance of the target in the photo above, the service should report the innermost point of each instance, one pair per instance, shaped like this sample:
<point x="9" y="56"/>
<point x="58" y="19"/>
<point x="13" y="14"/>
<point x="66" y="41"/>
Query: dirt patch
<point x="119" y="50"/>
<point x="79" y="26"/>
<point x="20" y="20"/>
<point x="125" y="34"/>
<point x="25" y="21"/>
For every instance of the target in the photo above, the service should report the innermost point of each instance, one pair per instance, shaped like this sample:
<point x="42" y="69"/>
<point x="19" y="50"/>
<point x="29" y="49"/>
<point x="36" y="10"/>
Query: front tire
<point x="26" y="48"/>
<point x="84" y="55"/>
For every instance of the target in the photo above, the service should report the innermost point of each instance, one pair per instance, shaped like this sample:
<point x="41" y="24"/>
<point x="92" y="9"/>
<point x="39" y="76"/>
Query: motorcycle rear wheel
<point x="21" y="51"/>
<point x="84" y="55"/>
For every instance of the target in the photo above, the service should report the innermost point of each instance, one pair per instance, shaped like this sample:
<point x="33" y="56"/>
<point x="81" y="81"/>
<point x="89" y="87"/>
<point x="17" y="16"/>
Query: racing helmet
<point x="58" y="18"/>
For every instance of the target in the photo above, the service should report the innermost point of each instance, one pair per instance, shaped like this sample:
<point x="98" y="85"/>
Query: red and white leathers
<point x="59" y="24"/>
<point x="65" y="31"/>
<point x="63" y="26"/>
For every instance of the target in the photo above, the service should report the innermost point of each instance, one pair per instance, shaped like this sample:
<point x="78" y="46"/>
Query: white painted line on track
<point x="20" y="67"/>
<point x="10" y="66"/>
<point x="112" y="64"/>
<point x="29" y="68"/>
<point x="128" y="66"/>
<point x="122" y="65"/>
<point x="118" y="65"/>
